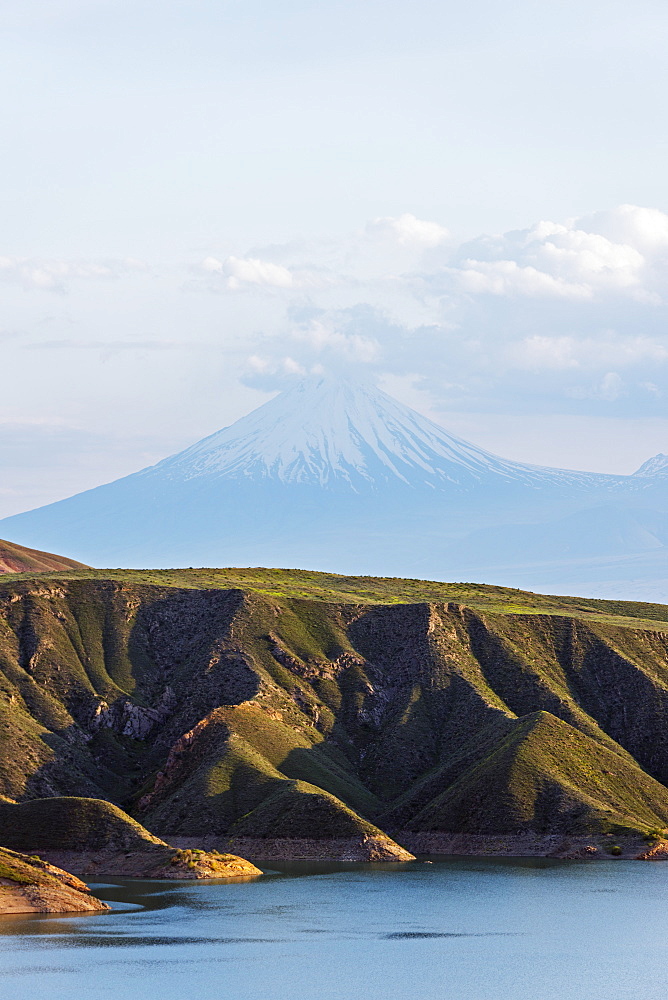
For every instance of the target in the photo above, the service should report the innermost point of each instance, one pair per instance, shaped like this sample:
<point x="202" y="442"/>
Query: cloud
<point x="560" y="260"/>
<point x="321" y="335"/>
<point x="53" y="275"/>
<point x="240" y="272"/>
<point x="316" y="341"/>
<point x="558" y="317"/>
<point x="562" y="352"/>
<point x="609" y="389"/>
<point x="507" y="277"/>
<point x="538" y="353"/>
<point x="538" y="319"/>
<point x="646" y="229"/>
<point x="407" y="230"/>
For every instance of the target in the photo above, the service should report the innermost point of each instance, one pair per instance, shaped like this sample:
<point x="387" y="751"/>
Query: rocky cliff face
<point x="230" y="713"/>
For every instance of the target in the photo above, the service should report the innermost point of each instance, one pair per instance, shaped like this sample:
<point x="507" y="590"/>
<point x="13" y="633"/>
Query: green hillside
<point x="273" y="703"/>
<point x="70" y="823"/>
<point x="332" y="587"/>
<point x="546" y="776"/>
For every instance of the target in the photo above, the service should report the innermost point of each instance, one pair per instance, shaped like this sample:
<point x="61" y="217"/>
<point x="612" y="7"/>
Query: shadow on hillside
<point x="179" y="663"/>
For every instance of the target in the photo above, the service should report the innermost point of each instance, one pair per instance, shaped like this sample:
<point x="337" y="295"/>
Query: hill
<point x="18" y="559"/>
<point x="94" y="837"/>
<point x="306" y="708"/>
<point x="544" y="776"/>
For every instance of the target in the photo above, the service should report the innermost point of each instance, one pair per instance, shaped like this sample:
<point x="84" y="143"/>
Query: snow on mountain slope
<point x="326" y="432"/>
<point x="339" y="476"/>
<point x="656" y="466"/>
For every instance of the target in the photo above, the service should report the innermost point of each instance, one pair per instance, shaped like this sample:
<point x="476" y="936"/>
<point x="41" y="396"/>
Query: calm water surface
<point x="469" y="929"/>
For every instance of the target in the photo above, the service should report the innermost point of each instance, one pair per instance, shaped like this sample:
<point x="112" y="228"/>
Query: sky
<point x="203" y="201"/>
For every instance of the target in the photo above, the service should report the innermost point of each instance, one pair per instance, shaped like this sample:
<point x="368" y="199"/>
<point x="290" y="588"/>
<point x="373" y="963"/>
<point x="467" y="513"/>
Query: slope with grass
<point x="95" y="837"/>
<point x="293" y="706"/>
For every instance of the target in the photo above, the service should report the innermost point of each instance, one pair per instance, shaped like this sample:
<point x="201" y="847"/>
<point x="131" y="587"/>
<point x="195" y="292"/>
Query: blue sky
<point x="203" y="200"/>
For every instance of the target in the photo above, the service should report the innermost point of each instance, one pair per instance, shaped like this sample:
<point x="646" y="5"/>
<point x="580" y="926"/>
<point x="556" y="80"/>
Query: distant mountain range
<point x="340" y="476"/>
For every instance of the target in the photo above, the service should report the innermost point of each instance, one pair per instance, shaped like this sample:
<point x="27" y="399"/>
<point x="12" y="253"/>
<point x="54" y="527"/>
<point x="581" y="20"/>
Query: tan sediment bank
<point x="371" y="848"/>
<point x="31" y="885"/>
<point x="410" y="845"/>
<point x="93" y="837"/>
<point x="533" y="845"/>
<point x="169" y="863"/>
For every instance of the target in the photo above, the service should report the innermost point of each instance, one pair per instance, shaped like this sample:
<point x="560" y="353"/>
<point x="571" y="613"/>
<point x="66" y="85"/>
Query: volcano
<point x="338" y="435"/>
<point x="337" y="475"/>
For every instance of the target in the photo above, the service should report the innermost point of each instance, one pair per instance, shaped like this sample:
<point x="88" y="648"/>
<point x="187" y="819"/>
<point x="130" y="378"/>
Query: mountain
<point x="656" y="466"/>
<point x="338" y="475"/>
<point x="334" y="434"/>
<point x="17" y="559"/>
<point x="353" y="717"/>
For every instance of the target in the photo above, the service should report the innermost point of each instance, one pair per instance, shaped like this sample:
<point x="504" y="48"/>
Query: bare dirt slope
<point x="18" y="559"/>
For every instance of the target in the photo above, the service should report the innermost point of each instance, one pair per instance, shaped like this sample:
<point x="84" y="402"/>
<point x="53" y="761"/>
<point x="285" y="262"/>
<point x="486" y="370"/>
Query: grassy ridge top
<point x="332" y="587"/>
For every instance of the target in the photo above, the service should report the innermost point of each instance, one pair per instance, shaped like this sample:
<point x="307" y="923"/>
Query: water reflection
<point x="456" y="929"/>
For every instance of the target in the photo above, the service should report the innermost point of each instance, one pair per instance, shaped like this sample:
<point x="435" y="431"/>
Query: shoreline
<point x="558" y="846"/>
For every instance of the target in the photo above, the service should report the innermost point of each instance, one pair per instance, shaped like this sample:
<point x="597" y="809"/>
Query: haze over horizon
<point x="205" y="202"/>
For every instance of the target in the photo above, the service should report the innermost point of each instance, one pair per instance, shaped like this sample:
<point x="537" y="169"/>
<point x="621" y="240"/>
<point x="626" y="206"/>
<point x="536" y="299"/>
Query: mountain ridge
<point x="230" y="713"/>
<point x="323" y="430"/>
<point x="657" y="465"/>
<point x="337" y="475"/>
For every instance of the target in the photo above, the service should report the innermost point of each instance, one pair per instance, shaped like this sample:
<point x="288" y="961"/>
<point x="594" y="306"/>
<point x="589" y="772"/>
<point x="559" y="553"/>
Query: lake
<point x="456" y="929"/>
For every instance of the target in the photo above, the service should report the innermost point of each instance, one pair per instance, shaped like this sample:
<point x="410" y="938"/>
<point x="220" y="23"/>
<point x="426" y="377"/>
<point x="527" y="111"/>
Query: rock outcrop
<point x="254" y="717"/>
<point x="32" y="885"/>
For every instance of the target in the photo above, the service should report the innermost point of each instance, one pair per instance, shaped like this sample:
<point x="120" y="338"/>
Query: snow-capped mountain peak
<point x="333" y="433"/>
<point x="657" y="465"/>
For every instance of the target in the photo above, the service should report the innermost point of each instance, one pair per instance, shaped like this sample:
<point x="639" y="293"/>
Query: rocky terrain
<point x="31" y="885"/>
<point x="291" y="726"/>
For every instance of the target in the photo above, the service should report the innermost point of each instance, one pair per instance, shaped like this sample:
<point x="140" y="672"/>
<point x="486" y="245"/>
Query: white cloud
<point x="542" y="353"/>
<point x="587" y="258"/>
<point x="238" y="272"/>
<point x="609" y="389"/>
<point x="646" y="229"/>
<point x="407" y="230"/>
<point x="558" y="317"/>
<point x="587" y="310"/>
<point x="266" y="365"/>
<point x="507" y="277"/>
<point x="568" y="261"/>
<point x="53" y="275"/>
<point x="322" y="336"/>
